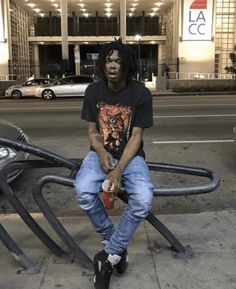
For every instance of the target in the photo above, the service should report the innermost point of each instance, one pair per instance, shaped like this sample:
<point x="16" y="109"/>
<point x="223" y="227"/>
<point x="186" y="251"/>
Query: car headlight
<point x="6" y="153"/>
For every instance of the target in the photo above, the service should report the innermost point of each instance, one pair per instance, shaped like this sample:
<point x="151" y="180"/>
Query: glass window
<point x="84" y="79"/>
<point x="225" y="31"/>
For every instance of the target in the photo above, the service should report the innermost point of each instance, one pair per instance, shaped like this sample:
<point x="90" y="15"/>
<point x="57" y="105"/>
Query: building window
<point x="224" y="33"/>
<point x="19" y="64"/>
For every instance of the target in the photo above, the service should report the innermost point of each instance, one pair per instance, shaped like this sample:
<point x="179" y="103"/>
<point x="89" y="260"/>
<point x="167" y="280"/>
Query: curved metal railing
<point x="9" y="243"/>
<point x="52" y="160"/>
<point x="49" y="159"/>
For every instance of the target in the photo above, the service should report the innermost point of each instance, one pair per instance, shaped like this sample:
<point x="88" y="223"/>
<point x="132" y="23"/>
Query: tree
<point x="232" y="68"/>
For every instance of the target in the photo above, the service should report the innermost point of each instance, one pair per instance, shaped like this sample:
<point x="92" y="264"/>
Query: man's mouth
<point x="112" y="74"/>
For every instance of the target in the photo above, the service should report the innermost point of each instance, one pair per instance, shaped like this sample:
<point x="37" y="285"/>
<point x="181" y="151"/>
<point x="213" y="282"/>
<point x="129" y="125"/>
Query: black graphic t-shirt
<point x="116" y="113"/>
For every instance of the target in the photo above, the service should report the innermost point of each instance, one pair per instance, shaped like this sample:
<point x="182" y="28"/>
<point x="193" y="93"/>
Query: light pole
<point x="138" y="38"/>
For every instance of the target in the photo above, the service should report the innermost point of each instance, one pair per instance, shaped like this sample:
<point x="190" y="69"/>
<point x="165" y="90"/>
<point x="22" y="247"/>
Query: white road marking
<point x="193" y="105"/>
<point x="80" y="107"/>
<point x="194" y="115"/>
<point x="194" y="141"/>
<point x="41" y="108"/>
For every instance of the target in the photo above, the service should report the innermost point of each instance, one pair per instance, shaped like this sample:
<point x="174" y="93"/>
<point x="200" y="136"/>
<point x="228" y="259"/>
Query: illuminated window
<point x="225" y="32"/>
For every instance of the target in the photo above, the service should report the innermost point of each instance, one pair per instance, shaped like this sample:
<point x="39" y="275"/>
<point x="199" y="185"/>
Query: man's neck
<point x="116" y="86"/>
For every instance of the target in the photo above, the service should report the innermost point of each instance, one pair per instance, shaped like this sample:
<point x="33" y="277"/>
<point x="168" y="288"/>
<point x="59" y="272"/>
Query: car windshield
<point x="29" y="83"/>
<point x="45" y="81"/>
<point x="35" y="82"/>
<point x="73" y="80"/>
<point x="57" y="82"/>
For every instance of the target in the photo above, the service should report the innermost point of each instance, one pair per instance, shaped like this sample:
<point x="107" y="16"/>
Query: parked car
<point x="27" y="88"/>
<point x="73" y="85"/>
<point x="7" y="155"/>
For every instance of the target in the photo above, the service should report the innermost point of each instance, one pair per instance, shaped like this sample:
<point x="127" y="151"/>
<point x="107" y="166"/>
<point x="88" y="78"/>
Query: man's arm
<point x="106" y="159"/>
<point x="131" y="147"/>
<point x="129" y="152"/>
<point x="97" y="143"/>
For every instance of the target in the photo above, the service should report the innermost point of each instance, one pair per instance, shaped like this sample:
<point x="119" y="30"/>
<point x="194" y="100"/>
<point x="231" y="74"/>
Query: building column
<point x="77" y="59"/>
<point x="160" y="60"/>
<point x="50" y="23"/>
<point x="161" y="83"/>
<point x="175" y="34"/>
<point x="97" y="24"/>
<point x="123" y="20"/>
<point x="73" y="23"/>
<point x="64" y="34"/>
<point x="142" y="25"/>
<point x="4" y="39"/>
<point x="36" y="61"/>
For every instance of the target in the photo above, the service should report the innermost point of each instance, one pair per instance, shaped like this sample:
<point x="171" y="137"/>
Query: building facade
<point x="184" y="39"/>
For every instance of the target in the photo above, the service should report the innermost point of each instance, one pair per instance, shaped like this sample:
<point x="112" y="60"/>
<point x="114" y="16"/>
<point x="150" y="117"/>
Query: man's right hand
<point x="107" y="161"/>
<point x="96" y="140"/>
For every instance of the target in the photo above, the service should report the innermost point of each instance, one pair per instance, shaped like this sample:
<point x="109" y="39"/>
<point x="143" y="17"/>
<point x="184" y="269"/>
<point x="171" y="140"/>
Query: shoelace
<point x="107" y="268"/>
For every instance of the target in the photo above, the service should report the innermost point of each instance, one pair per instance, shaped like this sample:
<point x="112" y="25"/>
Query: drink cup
<point x="108" y="195"/>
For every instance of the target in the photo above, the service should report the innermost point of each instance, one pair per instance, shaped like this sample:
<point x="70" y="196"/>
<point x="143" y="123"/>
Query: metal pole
<point x="139" y="60"/>
<point x="138" y="38"/>
<point x="123" y="20"/>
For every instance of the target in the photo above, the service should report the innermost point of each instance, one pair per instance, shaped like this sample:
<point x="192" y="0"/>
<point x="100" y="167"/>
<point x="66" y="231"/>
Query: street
<point x="188" y="130"/>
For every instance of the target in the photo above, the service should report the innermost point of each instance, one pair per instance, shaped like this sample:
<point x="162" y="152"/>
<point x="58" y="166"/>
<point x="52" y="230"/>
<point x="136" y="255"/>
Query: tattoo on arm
<point x="94" y="135"/>
<point x="99" y="139"/>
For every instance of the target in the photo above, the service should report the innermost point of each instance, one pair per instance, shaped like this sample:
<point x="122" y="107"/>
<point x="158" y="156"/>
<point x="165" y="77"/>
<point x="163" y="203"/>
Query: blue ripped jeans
<point x="136" y="181"/>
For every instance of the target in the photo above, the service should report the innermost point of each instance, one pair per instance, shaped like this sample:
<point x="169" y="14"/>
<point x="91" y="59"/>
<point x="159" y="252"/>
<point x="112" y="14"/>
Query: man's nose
<point x="112" y="64"/>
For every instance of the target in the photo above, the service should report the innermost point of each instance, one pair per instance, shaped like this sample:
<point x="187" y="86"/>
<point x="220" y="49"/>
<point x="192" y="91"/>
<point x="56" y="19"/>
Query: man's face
<point x="113" y="69"/>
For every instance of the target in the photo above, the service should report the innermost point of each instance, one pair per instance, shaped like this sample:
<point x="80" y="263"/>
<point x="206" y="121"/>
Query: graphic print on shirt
<point x="114" y="125"/>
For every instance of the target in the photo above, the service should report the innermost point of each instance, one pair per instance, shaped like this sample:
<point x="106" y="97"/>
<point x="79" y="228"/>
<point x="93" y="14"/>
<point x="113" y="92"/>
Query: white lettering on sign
<point x="197" y="19"/>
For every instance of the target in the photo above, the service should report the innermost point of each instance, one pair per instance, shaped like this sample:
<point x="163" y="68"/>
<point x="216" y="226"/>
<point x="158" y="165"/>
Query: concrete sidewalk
<point x="151" y="262"/>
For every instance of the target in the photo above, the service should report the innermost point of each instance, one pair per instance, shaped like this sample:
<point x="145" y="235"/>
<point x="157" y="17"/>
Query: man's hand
<point x="107" y="161"/>
<point x="114" y="177"/>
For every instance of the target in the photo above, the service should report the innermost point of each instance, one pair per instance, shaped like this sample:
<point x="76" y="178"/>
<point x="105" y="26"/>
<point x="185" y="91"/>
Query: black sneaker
<point x="104" y="264"/>
<point x="122" y="266"/>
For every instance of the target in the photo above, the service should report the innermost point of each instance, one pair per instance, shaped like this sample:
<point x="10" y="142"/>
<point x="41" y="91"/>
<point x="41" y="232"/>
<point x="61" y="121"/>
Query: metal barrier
<point x="26" y="263"/>
<point x="200" y="75"/>
<point x="52" y="219"/>
<point x="54" y="160"/>
<point x="21" y="210"/>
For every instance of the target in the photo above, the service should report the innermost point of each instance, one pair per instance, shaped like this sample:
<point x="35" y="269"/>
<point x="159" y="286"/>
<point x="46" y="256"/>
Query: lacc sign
<point x="197" y="19"/>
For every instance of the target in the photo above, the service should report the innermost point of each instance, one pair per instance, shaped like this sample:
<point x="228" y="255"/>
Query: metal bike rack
<point x="180" y="250"/>
<point x="52" y="219"/>
<point x="9" y="243"/>
<point x="185" y="190"/>
<point x="54" y="160"/>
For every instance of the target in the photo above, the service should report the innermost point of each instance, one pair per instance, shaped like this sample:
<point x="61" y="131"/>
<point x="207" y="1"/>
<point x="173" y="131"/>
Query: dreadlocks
<point x="127" y="57"/>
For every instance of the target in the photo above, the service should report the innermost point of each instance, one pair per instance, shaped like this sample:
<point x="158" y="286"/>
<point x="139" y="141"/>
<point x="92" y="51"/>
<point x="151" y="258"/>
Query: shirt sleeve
<point x="144" y="113"/>
<point x="89" y="105"/>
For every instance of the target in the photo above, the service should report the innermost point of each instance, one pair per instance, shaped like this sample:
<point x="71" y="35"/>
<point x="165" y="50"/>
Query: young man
<point x="117" y="109"/>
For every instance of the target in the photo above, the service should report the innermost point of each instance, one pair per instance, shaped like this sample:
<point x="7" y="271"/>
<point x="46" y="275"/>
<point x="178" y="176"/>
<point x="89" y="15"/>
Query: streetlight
<point x="138" y="38"/>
